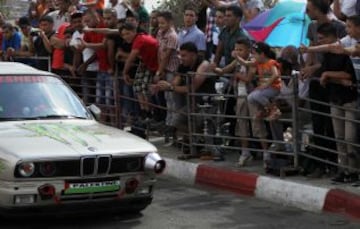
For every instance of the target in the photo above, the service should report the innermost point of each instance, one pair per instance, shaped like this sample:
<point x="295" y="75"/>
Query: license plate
<point x="91" y="187"/>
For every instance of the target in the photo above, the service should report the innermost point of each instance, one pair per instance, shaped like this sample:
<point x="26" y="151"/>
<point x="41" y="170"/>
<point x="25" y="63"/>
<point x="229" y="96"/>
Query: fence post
<point x="295" y="118"/>
<point x="189" y="111"/>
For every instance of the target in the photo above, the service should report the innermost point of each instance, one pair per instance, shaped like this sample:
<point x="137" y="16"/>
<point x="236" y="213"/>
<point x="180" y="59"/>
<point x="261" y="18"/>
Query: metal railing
<point x="211" y="133"/>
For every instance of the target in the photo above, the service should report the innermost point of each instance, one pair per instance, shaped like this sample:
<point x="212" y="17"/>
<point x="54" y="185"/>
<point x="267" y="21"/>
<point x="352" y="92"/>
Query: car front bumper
<point x="23" y="198"/>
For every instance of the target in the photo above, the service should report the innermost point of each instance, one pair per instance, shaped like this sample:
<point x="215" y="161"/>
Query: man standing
<point x="318" y="11"/>
<point x="42" y="44"/>
<point x="11" y="41"/>
<point x="144" y="47"/>
<point x="230" y="34"/>
<point x="120" y="8"/>
<point x="144" y="17"/>
<point x="191" y="33"/>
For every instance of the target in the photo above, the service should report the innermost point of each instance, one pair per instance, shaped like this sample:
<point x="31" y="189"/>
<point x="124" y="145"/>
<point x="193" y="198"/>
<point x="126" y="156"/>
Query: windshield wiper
<point x="56" y="117"/>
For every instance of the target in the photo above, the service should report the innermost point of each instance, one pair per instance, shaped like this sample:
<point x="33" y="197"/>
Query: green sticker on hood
<point x="61" y="133"/>
<point x="2" y="166"/>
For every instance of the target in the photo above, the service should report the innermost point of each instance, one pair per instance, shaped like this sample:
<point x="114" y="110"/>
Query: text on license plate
<point x="92" y="187"/>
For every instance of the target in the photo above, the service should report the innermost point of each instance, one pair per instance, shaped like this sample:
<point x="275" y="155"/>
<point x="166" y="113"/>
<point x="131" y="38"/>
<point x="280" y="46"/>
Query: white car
<point x="55" y="157"/>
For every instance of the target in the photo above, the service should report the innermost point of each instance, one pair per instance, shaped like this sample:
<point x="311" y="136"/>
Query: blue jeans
<point x="104" y="88"/>
<point x="128" y="106"/>
<point x="261" y="97"/>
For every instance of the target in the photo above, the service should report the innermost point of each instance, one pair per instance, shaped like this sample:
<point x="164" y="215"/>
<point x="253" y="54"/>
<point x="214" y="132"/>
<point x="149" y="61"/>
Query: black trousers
<point x="322" y="125"/>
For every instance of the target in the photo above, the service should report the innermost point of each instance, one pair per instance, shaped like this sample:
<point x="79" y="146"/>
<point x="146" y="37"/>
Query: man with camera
<point x="41" y="40"/>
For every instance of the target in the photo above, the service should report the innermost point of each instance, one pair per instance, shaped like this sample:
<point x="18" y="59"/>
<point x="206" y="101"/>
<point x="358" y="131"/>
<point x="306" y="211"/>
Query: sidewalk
<point x="317" y="195"/>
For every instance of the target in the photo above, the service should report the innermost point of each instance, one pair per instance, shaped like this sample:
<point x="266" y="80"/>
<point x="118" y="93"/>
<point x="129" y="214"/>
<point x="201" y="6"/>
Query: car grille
<point x="91" y="166"/>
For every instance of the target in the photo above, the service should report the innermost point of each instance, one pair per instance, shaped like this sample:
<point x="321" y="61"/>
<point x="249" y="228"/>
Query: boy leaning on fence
<point x="240" y="82"/>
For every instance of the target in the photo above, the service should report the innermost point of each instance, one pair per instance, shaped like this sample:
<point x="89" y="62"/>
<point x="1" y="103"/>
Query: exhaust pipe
<point x="154" y="163"/>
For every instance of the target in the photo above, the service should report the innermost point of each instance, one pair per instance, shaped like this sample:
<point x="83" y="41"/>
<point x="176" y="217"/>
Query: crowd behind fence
<point x="208" y="124"/>
<point x="207" y="121"/>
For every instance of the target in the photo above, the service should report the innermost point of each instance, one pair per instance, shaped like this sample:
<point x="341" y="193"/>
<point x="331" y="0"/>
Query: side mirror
<point x="95" y="111"/>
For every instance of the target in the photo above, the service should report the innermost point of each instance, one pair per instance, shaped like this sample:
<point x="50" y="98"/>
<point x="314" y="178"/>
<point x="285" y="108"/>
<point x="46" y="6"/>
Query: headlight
<point x="26" y="169"/>
<point x="47" y="169"/>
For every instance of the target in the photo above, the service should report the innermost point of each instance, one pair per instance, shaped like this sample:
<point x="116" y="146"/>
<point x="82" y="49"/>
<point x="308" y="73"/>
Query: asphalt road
<point x="181" y="207"/>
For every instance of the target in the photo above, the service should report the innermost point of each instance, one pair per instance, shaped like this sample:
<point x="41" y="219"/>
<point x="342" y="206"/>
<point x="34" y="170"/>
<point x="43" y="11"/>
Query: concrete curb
<point x="295" y="194"/>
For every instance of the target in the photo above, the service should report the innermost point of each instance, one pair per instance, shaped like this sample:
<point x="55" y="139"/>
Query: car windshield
<point x="38" y="97"/>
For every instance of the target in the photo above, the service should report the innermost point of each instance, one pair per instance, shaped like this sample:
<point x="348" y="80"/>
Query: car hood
<point x="69" y="139"/>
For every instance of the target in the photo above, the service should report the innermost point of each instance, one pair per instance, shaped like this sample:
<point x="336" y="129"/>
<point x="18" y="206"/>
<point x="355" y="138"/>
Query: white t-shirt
<point x="87" y="52"/>
<point x="348" y="41"/>
<point x="347" y="7"/>
<point x="120" y="10"/>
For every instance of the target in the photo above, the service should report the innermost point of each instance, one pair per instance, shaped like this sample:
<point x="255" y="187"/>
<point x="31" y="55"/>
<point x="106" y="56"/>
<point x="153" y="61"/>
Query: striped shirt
<point x="168" y="40"/>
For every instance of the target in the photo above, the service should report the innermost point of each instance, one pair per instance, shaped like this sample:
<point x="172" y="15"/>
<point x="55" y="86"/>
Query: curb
<point x="299" y="195"/>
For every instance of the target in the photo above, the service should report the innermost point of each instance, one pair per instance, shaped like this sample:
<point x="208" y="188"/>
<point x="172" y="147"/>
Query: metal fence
<point x="210" y="125"/>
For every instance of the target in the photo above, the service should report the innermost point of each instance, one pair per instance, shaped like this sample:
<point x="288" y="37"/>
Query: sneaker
<point x="244" y="159"/>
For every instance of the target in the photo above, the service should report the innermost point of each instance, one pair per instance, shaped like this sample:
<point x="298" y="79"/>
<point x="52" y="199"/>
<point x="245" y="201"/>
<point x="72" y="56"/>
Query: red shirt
<point x="148" y="49"/>
<point x="58" y="54"/>
<point x="101" y="54"/>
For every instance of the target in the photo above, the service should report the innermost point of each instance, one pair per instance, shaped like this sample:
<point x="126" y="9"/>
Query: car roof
<point x="15" y="68"/>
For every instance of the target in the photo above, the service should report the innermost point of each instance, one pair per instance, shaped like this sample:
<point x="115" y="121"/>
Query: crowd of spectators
<point x="86" y="40"/>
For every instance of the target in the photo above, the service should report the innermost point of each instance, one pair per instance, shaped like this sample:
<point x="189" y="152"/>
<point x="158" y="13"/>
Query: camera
<point x="35" y="32"/>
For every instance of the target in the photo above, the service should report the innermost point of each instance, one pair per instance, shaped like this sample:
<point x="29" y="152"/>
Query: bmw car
<point x="55" y="157"/>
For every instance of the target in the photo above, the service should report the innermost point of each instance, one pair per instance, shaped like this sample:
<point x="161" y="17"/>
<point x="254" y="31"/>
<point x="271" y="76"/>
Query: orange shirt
<point x="265" y="73"/>
<point x="40" y="9"/>
<point x="100" y="4"/>
<point x="58" y="54"/>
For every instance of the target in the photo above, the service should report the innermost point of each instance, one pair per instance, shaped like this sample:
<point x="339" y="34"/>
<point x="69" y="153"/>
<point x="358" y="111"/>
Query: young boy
<point x="242" y="48"/>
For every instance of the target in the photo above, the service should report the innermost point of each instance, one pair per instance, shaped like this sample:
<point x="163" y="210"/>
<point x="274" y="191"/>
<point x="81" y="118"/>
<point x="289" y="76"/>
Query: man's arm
<point x="337" y="10"/>
<point x="56" y="42"/>
<point x="227" y="69"/>
<point x="219" y="3"/>
<point x="198" y="80"/>
<point x="334" y="76"/>
<point x="130" y="60"/>
<point x="110" y="45"/>
<point x="94" y="46"/>
<point x="106" y="31"/>
<point x="200" y="76"/>
<point x="219" y="53"/>
<point x="46" y="41"/>
<point x="164" y="60"/>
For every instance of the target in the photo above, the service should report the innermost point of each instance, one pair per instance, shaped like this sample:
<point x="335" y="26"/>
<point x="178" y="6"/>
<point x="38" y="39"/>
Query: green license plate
<point x="91" y="187"/>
